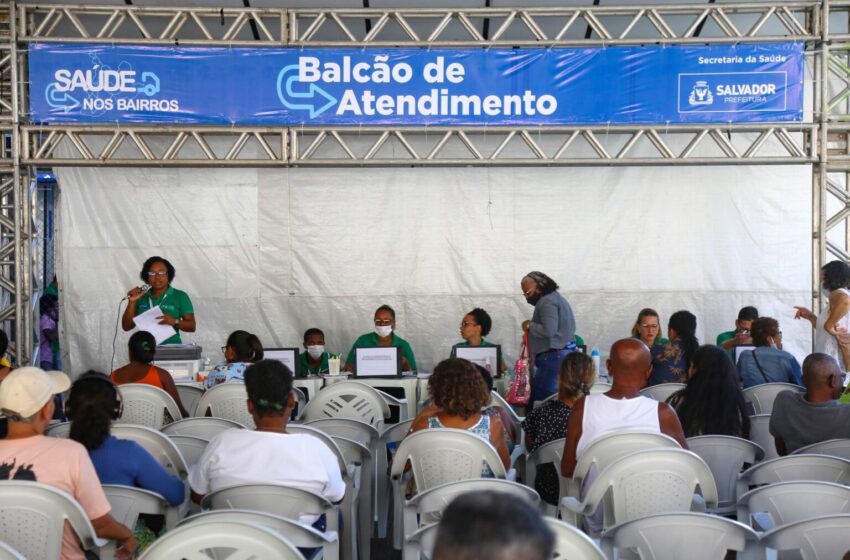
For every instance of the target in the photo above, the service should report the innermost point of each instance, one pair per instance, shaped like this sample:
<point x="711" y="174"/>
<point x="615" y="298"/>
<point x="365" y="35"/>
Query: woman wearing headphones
<point x="142" y="348"/>
<point x="93" y="404"/>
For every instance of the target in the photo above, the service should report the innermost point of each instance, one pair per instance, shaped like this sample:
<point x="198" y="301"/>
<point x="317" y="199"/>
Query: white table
<point x="312" y="385"/>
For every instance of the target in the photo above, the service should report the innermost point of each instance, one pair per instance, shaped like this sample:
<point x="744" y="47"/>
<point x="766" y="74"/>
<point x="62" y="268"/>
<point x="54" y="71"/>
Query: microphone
<point x="143" y="287"/>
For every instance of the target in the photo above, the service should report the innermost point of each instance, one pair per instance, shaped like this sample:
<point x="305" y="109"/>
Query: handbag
<point x="520" y="389"/>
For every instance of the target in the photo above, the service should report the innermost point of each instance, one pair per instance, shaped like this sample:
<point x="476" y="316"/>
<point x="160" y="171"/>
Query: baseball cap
<point x="27" y="389"/>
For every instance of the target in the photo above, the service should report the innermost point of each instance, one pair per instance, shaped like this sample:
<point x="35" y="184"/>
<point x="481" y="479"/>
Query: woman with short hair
<point x="768" y="362"/>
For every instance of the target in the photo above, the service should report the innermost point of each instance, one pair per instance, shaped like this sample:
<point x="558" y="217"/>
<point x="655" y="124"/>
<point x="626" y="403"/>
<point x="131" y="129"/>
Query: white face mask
<point x="315" y="351"/>
<point x="383" y="331"/>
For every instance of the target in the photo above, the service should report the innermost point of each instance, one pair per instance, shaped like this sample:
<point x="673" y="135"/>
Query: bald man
<point x="800" y="419"/>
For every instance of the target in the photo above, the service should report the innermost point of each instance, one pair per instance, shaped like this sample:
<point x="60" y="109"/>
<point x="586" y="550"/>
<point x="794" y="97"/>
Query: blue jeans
<point x="544" y="383"/>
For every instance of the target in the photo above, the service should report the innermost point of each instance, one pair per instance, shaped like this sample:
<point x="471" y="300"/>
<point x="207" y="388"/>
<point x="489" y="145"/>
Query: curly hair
<point x="836" y="274"/>
<point x="457" y="388"/>
<point x="575" y="376"/>
<point x="483" y="319"/>
<point x="764" y="328"/>
<point x="169" y="269"/>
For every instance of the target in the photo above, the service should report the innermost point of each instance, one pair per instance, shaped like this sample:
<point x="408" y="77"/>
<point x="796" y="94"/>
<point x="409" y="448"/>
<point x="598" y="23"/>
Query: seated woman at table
<point x="142" y="350"/>
<point x="241" y="350"/>
<point x="384" y="335"/>
<point x="647" y="328"/>
<point x="459" y="394"/>
<point x="473" y="328"/>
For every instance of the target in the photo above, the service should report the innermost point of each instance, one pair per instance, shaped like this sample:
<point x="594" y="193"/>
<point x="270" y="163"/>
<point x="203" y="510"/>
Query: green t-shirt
<point x="724" y="336"/>
<point x="484" y="342"/>
<point x="306" y="369"/>
<point x="173" y="302"/>
<point x="371" y="339"/>
<point x="658" y="340"/>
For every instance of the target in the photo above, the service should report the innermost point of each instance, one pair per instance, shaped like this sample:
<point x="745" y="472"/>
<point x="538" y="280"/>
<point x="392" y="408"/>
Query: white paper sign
<point x="377" y="361"/>
<point x="287" y="356"/>
<point x="484" y="356"/>
<point x="149" y="321"/>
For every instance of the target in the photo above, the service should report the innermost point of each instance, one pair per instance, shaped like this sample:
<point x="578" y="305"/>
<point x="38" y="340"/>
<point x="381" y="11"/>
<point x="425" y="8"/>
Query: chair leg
<point x="382" y="490"/>
<point x="350" y="525"/>
<point x="365" y="518"/>
<point x="398" y="499"/>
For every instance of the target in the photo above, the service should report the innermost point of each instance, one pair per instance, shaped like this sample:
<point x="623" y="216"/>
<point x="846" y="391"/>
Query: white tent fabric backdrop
<point x="275" y="251"/>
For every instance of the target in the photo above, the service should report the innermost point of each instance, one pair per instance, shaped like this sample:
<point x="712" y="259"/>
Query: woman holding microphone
<point x="176" y="307"/>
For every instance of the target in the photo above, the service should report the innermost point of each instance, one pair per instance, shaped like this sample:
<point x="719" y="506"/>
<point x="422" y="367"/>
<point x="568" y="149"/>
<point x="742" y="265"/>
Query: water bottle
<point x="595" y="358"/>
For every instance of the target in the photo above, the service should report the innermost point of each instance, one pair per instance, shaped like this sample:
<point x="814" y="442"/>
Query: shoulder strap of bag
<point x="758" y="365"/>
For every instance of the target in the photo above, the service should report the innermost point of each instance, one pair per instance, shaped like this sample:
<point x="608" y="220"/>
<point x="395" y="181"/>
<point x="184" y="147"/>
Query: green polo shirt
<point x="658" y="340"/>
<point x="172" y="302"/>
<point x="371" y="339"/>
<point x="306" y="369"/>
<point x="724" y="336"/>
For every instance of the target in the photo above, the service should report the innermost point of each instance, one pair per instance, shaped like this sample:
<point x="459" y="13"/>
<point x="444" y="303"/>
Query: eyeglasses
<point x="383" y="321"/>
<point x="464" y="324"/>
<point x="647" y="326"/>
<point x="152" y="273"/>
<point x="223" y="349"/>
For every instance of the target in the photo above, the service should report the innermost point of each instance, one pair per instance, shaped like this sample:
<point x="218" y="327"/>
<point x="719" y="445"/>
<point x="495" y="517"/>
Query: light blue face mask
<point x="316" y="351"/>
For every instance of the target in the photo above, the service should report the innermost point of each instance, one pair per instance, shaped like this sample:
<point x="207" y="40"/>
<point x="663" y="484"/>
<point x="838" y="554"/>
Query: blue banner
<point x="290" y="86"/>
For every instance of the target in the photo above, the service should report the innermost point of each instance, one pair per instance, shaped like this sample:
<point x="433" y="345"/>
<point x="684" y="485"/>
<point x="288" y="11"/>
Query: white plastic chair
<point x="662" y="391"/>
<point x="571" y="543"/>
<point x="301" y="401"/>
<point x="427" y="506"/>
<point x="190" y="395"/>
<point x="157" y="444"/>
<point x="33" y="516"/>
<point x="824" y="538"/>
<point x="205" y="427"/>
<point x="242" y="540"/>
<point x="390" y="438"/>
<point x="228" y="401"/>
<point x="760" y="435"/>
<point x="9" y="553"/>
<point x="600" y="387"/>
<point x="726" y="457"/>
<point x="695" y="536"/>
<point x="299" y="534"/>
<point x="661" y="480"/>
<point x="348" y="399"/>
<point x="551" y="452"/>
<point x="439" y="456"/>
<point x="762" y="396"/>
<point x="276" y="499"/>
<point x="795" y="468"/>
<point x="60" y="430"/>
<point x="834" y="447"/>
<point x="128" y="503"/>
<point x="497" y="400"/>
<point x="771" y="506"/>
<point x="359" y="454"/>
<point x="146" y="405"/>
<point x="357" y="487"/>
<point x="190" y="447"/>
<point x="611" y="447"/>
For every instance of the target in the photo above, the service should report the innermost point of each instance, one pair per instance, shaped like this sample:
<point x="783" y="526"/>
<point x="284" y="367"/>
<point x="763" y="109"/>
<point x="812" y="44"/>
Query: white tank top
<point x="825" y="342"/>
<point x="604" y="415"/>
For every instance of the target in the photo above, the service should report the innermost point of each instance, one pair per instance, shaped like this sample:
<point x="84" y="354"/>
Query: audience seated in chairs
<point x="548" y="421"/>
<point x="487" y="526"/>
<point x="800" y="419"/>
<point x="26" y="398"/>
<point x="671" y="360"/>
<point x="142" y="350"/>
<point x="712" y="403"/>
<point x="459" y="394"/>
<point x="268" y="455"/>
<point x="621" y="408"/>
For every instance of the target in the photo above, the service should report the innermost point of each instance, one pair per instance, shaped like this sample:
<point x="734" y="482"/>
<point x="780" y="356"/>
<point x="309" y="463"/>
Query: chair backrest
<point x="228" y="401"/>
<point x="9" y="553"/>
<point x="190" y="447"/>
<point x="60" y="430"/>
<point x="551" y="452"/>
<point x="497" y="400"/>
<point x="299" y="534"/>
<point x="662" y="391"/>
<point x="301" y="401"/>
<point x="695" y="536"/>
<point x="760" y="434"/>
<point x="361" y="432"/>
<point x="600" y="387"/>
<point x="33" y="516"/>
<point x="205" y="427"/>
<point x="243" y="540"/>
<point x="726" y="456"/>
<point x="277" y="499"/>
<point x="762" y="396"/>
<point x="571" y="542"/>
<point x="835" y="447"/>
<point x="396" y="432"/>
<point x="608" y="449"/>
<point x="348" y="399"/>
<point x="436" y="499"/>
<point x="128" y="502"/>
<point x="661" y="480"/>
<point x="190" y="396"/>
<point x="789" y="502"/>
<point x="146" y="405"/>
<point x="157" y="444"/>
<point x="442" y="455"/>
<point x="823" y="538"/>
<point x="352" y="451"/>
<point x="795" y="468"/>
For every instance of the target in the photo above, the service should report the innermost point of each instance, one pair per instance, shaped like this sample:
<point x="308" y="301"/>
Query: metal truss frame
<point x="824" y="142"/>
